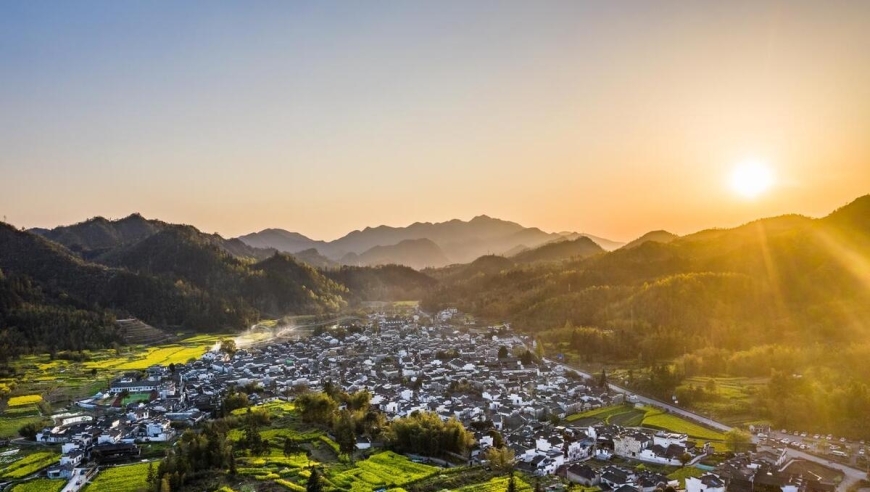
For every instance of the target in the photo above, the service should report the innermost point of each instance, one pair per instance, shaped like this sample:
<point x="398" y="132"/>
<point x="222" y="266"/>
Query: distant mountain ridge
<point x="459" y="242"/>
<point x="415" y="253"/>
<point x="94" y="237"/>
<point x="660" y="236"/>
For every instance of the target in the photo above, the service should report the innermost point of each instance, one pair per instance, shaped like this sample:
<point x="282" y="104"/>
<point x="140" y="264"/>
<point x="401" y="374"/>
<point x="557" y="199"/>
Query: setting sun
<point x="751" y="178"/>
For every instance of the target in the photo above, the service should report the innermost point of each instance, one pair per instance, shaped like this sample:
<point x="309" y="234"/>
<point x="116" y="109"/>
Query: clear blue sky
<point x="612" y="118"/>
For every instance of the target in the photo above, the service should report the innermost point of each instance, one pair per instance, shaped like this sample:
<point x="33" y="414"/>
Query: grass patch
<point x="599" y="413"/>
<point x="658" y="420"/>
<point x="685" y="472"/>
<point x="9" y="426"/>
<point x="127" y="478"/>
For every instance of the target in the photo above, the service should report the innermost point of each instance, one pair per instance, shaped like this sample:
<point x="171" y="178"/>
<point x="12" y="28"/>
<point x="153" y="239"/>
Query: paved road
<point x="852" y="475"/>
<point x="657" y="403"/>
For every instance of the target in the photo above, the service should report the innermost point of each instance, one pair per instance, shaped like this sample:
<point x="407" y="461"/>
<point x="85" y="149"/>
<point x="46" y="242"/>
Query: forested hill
<point x="785" y="280"/>
<point x="173" y="277"/>
<point x="97" y="236"/>
<point x="786" y="298"/>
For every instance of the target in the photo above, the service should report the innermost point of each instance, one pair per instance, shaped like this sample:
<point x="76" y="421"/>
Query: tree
<point x="500" y="459"/>
<point x="685" y="458"/>
<point x="512" y="484"/>
<point x="710" y="386"/>
<point x="314" y="484"/>
<point x="497" y="439"/>
<point x="29" y="430"/>
<point x="345" y="433"/>
<point x="290" y="447"/>
<point x="737" y="440"/>
<point x="526" y="358"/>
<point x="602" y="380"/>
<point x="502" y="352"/>
<point x="228" y="346"/>
<point x="150" y="478"/>
<point x="538" y="486"/>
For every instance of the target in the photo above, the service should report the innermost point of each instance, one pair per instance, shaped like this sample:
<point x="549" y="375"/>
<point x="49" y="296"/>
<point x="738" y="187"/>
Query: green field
<point x="39" y="485"/>
<point x="656" y="419"/>
<point x="29" y="464"/>
<point x="599" y="413"/>
<point x="731" y="401"/>
<point x="685" y="472"/>
<point x="127" y="478"/>
<point x="629" y="416"/>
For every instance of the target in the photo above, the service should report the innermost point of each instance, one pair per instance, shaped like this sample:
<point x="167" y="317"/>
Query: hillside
<point x="281" y="240"/>
<point x="382" y="282"/>
<point x="415" y="253"/>
<point x="168" y="276"/>
<point x="767" y="297"/>
<point x="663" y="237"/>
<point x="100" y="292"/>
<point x="561" y="250"/>
<point x="94" y="237"/>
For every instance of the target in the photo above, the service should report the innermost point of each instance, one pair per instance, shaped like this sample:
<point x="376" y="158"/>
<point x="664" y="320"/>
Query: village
<point x="488" y="378"/>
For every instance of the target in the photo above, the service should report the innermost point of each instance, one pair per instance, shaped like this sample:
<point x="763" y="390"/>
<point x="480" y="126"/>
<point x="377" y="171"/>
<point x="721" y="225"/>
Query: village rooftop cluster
<point x="485" y="377"/>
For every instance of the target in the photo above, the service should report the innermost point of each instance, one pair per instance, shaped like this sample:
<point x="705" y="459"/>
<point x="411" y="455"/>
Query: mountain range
<point x="791" y="277"/>
<point x="422" y="244"/>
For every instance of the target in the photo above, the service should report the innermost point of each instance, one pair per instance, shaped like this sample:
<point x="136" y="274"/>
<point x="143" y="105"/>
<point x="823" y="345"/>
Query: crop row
<point x="128" y="478"/>
<point x="29" y="464"/>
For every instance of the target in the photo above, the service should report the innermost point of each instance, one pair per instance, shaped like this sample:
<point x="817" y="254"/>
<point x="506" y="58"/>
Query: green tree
<point x="737" y="440"/>
<point x="290" y="447"/>
<point x="512" y="484"/>
<point x="228" y="346"/>
<point x="685" y="458"/>
<point x="502" y="352"/>
<point x="345" y="433"/>
<point x="150" y="478"/>
<point x="500" y="459"/>
<point x="29" y="430"/>
<point x="314" y="484"/>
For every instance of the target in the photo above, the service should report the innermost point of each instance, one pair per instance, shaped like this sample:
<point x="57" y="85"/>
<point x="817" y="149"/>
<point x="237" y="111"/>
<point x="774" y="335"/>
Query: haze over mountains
<point x="422" y="244"/>
<point x="782" y="279"/>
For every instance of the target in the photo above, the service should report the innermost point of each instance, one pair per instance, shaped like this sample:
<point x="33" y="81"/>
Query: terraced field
<point x="731" y="399"/>
<point x="385" y="470"/>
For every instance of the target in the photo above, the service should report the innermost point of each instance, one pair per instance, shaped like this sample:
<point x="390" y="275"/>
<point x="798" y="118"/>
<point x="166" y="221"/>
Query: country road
<point x="656" y="403"/>
<point x="852" y="475"/>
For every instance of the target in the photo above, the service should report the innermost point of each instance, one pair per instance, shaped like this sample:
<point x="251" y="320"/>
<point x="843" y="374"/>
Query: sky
<point x="610" y="118"/>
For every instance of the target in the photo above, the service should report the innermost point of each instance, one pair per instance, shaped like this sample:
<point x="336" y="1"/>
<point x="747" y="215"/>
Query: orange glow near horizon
<point x="610" y="118"/>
